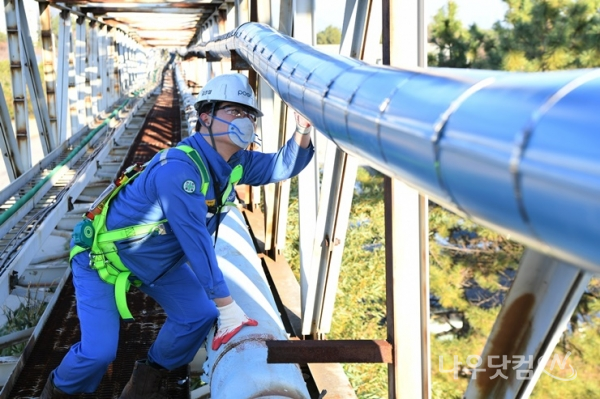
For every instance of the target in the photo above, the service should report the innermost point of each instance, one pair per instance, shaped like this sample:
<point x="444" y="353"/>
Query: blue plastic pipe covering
<point x="517" y="152"/>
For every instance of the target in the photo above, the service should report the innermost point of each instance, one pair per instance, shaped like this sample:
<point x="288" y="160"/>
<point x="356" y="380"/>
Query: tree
<point x="543" y="35"/>
<point x="331" y="35"/>
<point x="535" y="35"/>
<point x="450" y="37"/>
<point x="468" y="280"/>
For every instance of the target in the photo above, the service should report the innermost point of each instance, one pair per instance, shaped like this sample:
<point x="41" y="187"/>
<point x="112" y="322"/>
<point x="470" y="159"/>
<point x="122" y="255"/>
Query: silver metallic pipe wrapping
<point x="517" y="152"/>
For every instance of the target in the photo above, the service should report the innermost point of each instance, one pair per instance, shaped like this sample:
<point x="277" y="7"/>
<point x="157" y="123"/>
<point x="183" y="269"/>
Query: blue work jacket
<point x="170" y="188"/>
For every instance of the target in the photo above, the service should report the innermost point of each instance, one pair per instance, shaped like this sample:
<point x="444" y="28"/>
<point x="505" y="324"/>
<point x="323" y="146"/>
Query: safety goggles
<point x="238" y="112"/>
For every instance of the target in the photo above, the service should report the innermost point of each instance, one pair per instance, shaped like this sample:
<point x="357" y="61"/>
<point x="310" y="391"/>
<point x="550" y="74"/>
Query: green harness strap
<point x="103" y="255"/>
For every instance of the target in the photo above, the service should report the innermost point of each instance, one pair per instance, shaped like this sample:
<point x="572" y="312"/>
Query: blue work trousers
<point x="190" y="316"/>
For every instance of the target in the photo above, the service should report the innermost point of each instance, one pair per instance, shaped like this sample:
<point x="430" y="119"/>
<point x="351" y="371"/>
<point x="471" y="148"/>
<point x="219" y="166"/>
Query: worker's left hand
<point x="231" y="320"/>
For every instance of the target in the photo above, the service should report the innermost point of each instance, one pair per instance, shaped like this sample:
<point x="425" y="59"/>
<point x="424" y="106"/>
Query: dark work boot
<point x="145" y="382"/>
<point x="51" y="391"/>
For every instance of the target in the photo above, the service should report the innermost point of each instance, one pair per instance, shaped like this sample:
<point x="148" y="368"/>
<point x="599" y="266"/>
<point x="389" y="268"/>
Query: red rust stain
<point x="514" y="330"/>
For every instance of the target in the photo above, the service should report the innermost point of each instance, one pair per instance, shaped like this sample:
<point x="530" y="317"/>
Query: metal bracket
<point x="328" y="243"/>
<point x="238" y="63"/>
<point x="13" y="280"/>
<point x="211" y="57"/>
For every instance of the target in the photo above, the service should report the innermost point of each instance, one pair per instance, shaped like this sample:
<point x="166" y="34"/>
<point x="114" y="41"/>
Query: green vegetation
<point x="471" y="268"/>
<point x="535" y="35"/>
<point x="5" y="81"/>
<point x="456" y="267"/>
<point x="360" y="300"/>
<point x="331" y="35"/>
<point x="25" y="316"/>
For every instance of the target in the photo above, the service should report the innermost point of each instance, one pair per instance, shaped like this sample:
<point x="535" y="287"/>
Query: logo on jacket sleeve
<point x="189" y="186"/>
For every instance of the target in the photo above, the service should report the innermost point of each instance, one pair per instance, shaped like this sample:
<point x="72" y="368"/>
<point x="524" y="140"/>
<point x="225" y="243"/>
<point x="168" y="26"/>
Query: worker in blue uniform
<point x="176" y="264"/>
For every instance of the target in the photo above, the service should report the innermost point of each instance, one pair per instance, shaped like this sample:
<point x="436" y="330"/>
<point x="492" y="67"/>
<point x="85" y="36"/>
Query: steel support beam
<point x="48" y="66"/>
<point x="102" y="69"/>
<point x="8" y="142"/>
<point x="242" y="12"/>
<point x="18" y="85"/>
<point x="34" y="82"/>
<point x="72" y="90"/>
<point x="338" y="351"/>
<point x="308" y="180"/>
<point x="302" y="28"/>
<point x="78" y="103"/>
<point x="406" y="230"/>
<point x="110" y="67"/>
<point x="319" y="280"/>
<point x="254" y="196"/>
<point x="114" y="65"/>
<point x="270" y="137"/>
<point x="287" y="15"/>
<point x="93" y="68"/>
<point x="122" y="65"/>
<point x="64" y="76"/>
<point x="286" y="130"/>
<point x="535" y="313"/>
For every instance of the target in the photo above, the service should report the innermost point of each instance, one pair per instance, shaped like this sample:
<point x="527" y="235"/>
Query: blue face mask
<point x="240" y="131"/>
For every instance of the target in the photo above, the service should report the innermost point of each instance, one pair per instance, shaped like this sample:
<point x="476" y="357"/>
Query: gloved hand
<point x="302" y="124"/>
<point x="231" y="320"/>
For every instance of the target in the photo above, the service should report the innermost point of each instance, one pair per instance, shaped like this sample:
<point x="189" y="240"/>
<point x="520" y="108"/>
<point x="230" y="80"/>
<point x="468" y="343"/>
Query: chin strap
<point x="209" y="127"/>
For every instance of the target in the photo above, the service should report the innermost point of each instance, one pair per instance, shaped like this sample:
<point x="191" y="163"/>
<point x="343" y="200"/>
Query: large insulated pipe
<point x="239" y="369"/>
<point x="517" y="152"/>
<point x="188" y="100"/>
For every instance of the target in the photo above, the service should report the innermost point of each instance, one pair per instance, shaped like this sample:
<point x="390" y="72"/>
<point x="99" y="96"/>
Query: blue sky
<point x="482" y="12"/>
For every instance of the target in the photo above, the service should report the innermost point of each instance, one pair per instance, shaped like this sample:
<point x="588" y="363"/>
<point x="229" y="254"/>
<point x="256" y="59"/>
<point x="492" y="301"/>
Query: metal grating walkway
<point x="62" y="330"/>
<point x="161" y="129"/>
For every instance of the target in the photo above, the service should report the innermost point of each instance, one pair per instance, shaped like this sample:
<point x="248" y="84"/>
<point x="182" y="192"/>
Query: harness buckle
<point x="161" y="229"/>
<point x="98" y="261"/>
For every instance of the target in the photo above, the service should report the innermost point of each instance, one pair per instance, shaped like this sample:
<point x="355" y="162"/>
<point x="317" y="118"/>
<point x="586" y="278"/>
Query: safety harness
<point x="103" y="251"/>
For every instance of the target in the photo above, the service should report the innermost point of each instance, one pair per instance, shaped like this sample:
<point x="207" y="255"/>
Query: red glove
<point x="231" y="320"/>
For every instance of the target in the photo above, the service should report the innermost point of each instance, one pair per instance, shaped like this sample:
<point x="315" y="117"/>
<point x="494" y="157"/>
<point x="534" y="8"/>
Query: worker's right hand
<point x="231" y="320"/>
<point x="303" y="125"/>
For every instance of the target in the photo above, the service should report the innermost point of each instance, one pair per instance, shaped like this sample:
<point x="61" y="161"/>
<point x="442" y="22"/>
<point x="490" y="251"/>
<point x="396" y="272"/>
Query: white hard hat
<point x="230" y="87"/>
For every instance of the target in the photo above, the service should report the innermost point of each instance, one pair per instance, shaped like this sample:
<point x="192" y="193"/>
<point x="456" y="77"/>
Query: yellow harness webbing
<point x="103" y="253"/>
